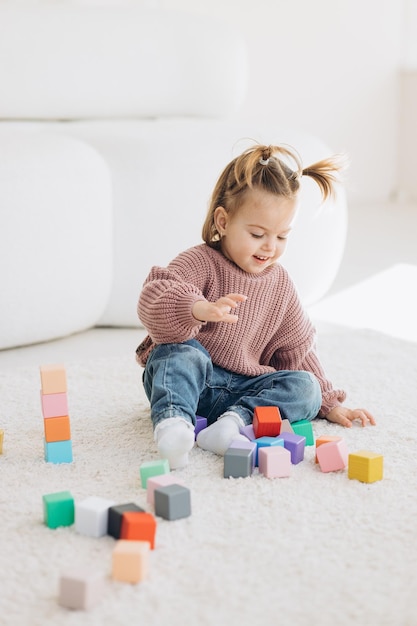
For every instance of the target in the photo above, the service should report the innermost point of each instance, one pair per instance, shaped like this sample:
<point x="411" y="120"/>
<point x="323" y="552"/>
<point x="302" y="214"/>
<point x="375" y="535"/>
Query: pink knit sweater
<point x="272" y="333"/>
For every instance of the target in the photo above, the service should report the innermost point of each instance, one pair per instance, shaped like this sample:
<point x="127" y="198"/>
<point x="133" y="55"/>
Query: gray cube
<point x="238" y="463"/>
<point x="172" y="502"/>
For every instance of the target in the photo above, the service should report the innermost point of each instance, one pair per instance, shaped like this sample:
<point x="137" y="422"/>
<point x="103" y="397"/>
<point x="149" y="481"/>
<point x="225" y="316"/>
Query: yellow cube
<point x="130" y="561"/>
<point x="366" y="466"/>
<point x="1" y="441"/>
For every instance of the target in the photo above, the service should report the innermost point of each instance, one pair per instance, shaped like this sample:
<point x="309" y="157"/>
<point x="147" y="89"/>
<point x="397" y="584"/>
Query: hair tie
<point x="264" y="161"/>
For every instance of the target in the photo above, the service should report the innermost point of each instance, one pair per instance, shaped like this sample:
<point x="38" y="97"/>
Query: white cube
<point x="91" y="516"/>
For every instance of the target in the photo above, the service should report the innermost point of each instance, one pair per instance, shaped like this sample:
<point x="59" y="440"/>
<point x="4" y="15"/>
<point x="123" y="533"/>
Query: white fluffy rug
<point x="314" y="548"/>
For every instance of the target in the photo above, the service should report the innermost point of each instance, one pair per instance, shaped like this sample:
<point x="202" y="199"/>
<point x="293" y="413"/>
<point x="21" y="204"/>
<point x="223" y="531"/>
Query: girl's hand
<point x="218" y="311"/>
<point x="345" y="417"/>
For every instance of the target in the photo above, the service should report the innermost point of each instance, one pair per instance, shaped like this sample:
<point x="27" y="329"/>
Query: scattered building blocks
<point x="295" y="444"/>
<point x="57" y="429"/>
<point x="332" y="456"/>
<point x="266" y="421"/>
<point x="262" y="442"/>
<point x="237" y="463"/>
<point x="115" y="516"/>
<point x="160" y="481"/>
<point x="53" y="379"/>
<point x="91" y="516"/>
<point x="1" y="440"/>
<point x="58" y="451"/>
<point x="153" y="468"/>
<point x="172" y="502"/>
<point x="248" y="445"/>
<point x="366" y="466"/>
<point x="58" y="509"/>
<point x="325" y="439"/>
<point x="54" y="404"/>
<point x="81" y="589"/>
<point x="200" y="424"/>
<point x="138" y="526"/>
<point x="275" y="462"/>
<point x="286" y="426"/>
<point x="130" y="561"/>
<point x="248" y="432"/>
<point x="304" y="428"/>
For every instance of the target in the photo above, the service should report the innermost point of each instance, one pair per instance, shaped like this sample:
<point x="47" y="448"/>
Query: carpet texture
<point x="314" y="548"/>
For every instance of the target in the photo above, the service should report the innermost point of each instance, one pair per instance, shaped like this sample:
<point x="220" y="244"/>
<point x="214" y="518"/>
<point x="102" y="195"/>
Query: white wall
<point x="329" y="67"/>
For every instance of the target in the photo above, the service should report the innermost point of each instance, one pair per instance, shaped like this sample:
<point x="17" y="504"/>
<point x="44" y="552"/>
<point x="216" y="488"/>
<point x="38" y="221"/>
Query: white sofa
<point x="114" y="125"/>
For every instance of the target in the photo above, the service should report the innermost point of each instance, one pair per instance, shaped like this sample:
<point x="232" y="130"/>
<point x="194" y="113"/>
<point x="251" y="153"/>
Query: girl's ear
<point x="220" y="220"/>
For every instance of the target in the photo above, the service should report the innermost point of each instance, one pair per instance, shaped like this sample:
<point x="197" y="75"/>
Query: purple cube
<point x="200" y="424"/>
<point x="295" y="444"/>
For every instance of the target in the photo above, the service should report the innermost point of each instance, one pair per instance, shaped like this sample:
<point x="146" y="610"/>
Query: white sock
<point x="174" y="438"/>
<point x="218" y="437"/>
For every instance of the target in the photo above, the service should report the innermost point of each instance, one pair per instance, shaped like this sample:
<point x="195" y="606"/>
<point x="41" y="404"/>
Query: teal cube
<point x="153" y="468"/>
<point x="305" y="429"/>
<point x="58" y="509"/>
<point x="58" y="451"/>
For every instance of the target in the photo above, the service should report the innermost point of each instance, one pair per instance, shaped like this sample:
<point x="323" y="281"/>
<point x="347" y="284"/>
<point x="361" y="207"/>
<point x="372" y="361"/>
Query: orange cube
<point x="130" y="561"/>
<point x="57" y="428"/>
<point x="138" y="526"/>
<point x="267" y="421"/>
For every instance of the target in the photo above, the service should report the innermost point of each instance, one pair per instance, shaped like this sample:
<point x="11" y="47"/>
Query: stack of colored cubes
<point x="54" y="402"/>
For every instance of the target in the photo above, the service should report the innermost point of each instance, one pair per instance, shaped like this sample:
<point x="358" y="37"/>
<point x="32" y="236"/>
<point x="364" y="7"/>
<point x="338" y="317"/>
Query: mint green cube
<point x="58" y="509"/>
<point x="153" y="468"/>
<point x="305" y="429"/>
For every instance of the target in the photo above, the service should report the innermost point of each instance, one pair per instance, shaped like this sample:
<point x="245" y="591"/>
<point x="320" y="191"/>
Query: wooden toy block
<point x="57" y="428"/>
<point x="172" y="502"/>
<point x="304" y="428"/>
<point x="54" y="404"/>
<point x="154" y="482"/>
<point x="58" y="451"/>
<point x="266" y="421"/>
<point x="53" y="379"/>
<point x="275" y="462"/>
<point x="130" y="561"/>
<point x="332" y="456"/>
<point x="286" y="427"/>
<point x="365" y="466"/>
<point x="237" y="463"/>
<point x="115" y="516"/>
<point x="248" y="445"/>
<point x="248" y="432"/>
<point x="1" y="440"/>
<point x="200" y="424"/>
<point x="92" y="515"/>
<point x="138" y="526"/>
<point x="295" y="444"/>
<point x="153" y="468"/>
<point x="81" y="589"/>
<point x="262" y="442"/>
<point x="325" y="439"/>
<point x="58" y="509"/>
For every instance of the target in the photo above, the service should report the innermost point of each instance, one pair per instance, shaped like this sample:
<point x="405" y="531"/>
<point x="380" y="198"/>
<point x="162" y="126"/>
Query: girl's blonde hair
<point x="261" y="167"/>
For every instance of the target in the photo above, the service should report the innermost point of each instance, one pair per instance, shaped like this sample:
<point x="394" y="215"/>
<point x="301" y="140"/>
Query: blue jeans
<point x="180" y="380"/>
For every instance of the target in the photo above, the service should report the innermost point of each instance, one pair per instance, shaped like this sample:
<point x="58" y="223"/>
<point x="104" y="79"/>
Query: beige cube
<point x="81" y="589"/>
<point x="130" y="561"/>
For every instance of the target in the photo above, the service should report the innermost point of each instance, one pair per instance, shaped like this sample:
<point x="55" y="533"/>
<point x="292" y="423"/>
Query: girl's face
<point x="255" y="235"/>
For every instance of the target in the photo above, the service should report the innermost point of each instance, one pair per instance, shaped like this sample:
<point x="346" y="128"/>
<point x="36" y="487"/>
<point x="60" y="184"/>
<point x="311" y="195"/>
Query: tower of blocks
<point x="54" y="402"/>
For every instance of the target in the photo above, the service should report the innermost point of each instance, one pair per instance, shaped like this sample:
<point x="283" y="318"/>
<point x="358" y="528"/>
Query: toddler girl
<point x="227" y="331"/>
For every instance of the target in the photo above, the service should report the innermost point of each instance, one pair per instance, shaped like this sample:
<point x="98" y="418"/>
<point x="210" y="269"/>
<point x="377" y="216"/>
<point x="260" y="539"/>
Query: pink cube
<point x="54" y="404"/>
<point x="333" y="456"/>
<point x="162" y="480"/>
<point x="274" y="461"/>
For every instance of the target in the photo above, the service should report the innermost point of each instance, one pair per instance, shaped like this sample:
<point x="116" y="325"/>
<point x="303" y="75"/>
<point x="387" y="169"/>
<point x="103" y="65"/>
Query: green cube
<point x="305" y="429"/>
<point x="153" y="468"/>
<point x="58" y="509"/>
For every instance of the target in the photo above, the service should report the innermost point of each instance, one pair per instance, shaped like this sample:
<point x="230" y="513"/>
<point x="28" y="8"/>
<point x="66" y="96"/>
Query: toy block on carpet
<point x="266" y="421"/>
<point x="58" y="509"/>
<point x="200" y="424"/>
<point x="286" y="426"/>
<point x="295" y="444"/>
<point x="275" y="462"/>
<point x="130" y="561"/>
<point x="92" y="515"/>
<point x="332" y="456"/>
<point x="172" y="502"/>
<point x="54" y="404"/>
<point x="58" y="451"/>
<point x="138" y="526"/>
<point x="247" y="445"/>
<point x="53" y="379"/>
<point x="154" y="482"/>
<point x="115" y="516"/>
<point x="81" y="589"/>
<point x="263" y="442"/>
<point x="325" y="439"/>
<point x="237" y="463"/>
<point x="248" y="432"/>
<point x="1" y="440"/>
<point x="153" y="468"/>
<point x="57" y="428"/>
<point x="365" y="466"/>
<point x="304" y="428"/>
